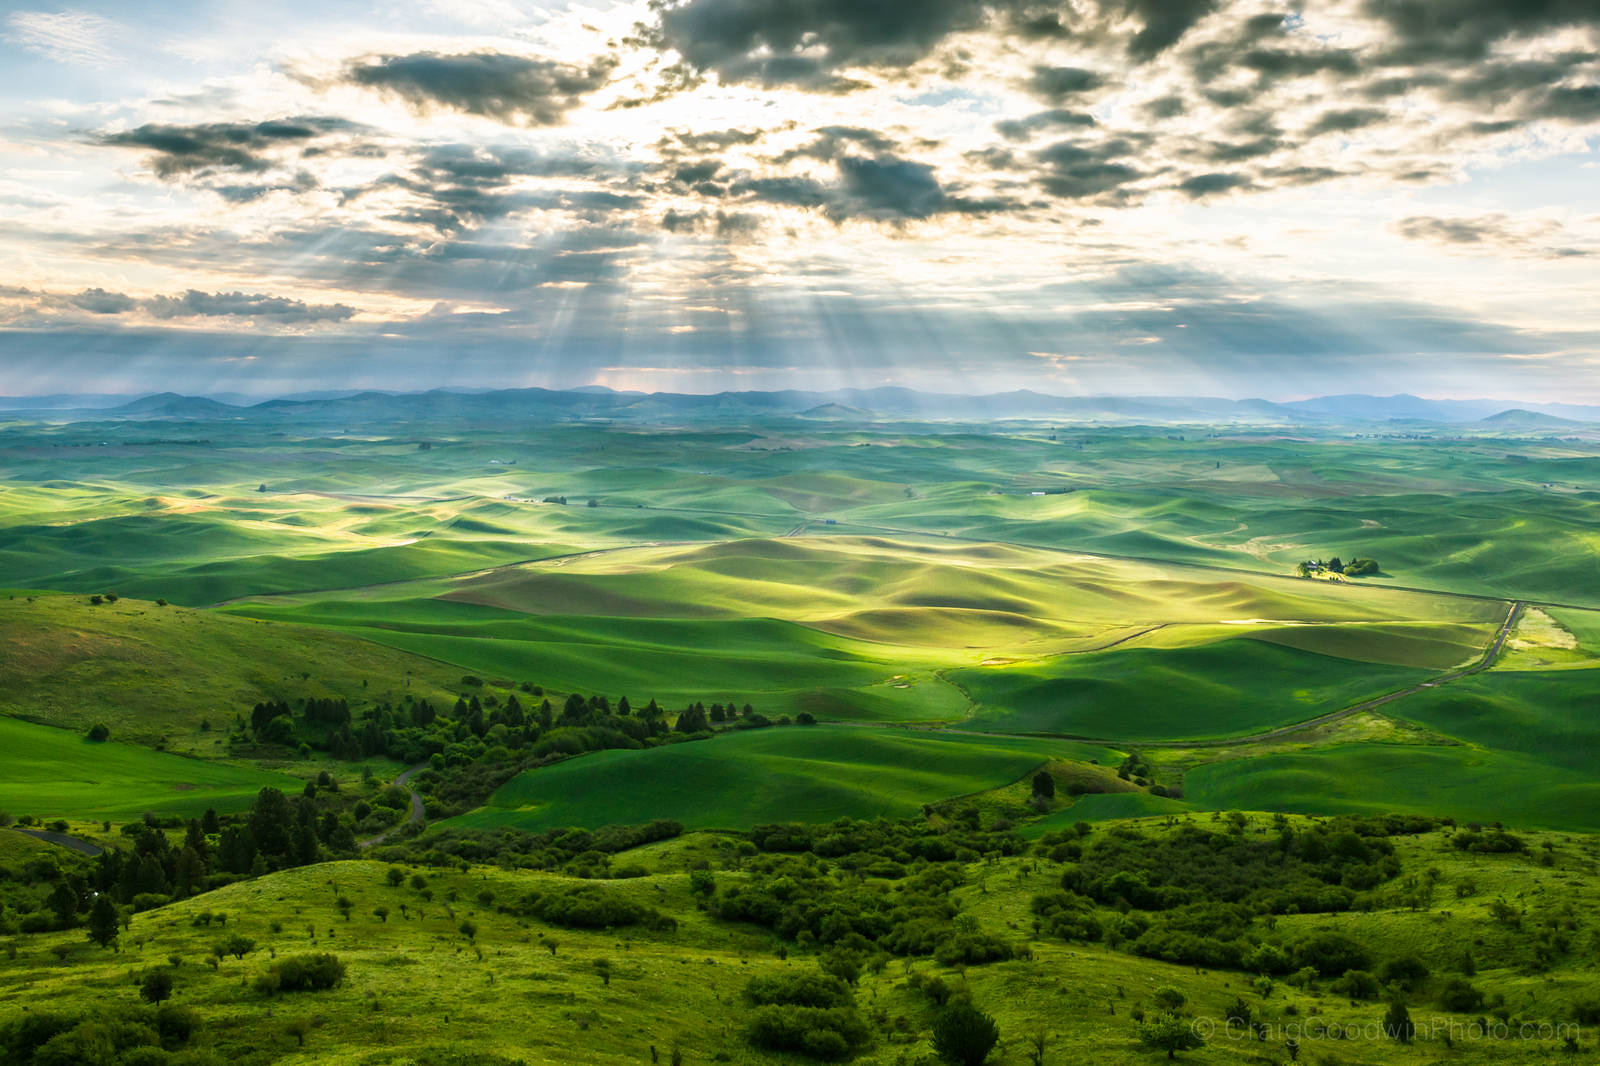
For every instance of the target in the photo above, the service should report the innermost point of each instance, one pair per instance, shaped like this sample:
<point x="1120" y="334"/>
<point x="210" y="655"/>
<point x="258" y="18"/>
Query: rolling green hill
<point x="52" y="773"/>
<point x="814" y="774"/>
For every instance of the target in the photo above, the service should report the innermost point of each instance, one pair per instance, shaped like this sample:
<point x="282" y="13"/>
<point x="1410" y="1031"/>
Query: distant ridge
<point x="173" y="405"/>
<point x="889" y="403"/>
<point x="1520" y="418"/>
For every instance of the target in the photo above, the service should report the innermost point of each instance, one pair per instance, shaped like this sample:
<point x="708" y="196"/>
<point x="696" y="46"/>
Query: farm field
<point x="52" y="773"/>
<point x="780" y="623"/>
<point x="760" y="776"/>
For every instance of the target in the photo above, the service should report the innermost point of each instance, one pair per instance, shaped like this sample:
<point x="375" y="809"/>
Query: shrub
<point x="798" y="989"/>
<point x="827" y="1033"/>
<point x="1459" y="996"/>
<point x="302" y="973"/>
<point x="99" y="732"/>
<point x="963" y="1035"/>
<point x="587" y="907"/>
<point x="1330" y="954"/>
<point x="1358" y="984"/>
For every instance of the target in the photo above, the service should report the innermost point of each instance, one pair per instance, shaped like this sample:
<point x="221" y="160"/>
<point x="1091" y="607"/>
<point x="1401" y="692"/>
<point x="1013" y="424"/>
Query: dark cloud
<point x="1540" y="239"/>
<point x="1346" y="120"/>
<point x="1023" y="129"/>
<point x="1165" y="23"/>
<point x="1060" y="84"/>
<point x="727" y="225"/>
<point x="461" y="186"/>
<point x="814" y="44"/>
<point x="1080" y="170"/>
<point x="1203" y="185"/>
<point x="190" y="304"/>
<point x="807" y="43"/>
<point x="211" y="146"/>
<point x="101" y="302"/>
<point x="197" y="304"/>
<point x="507" y="88"/>
<point x="1425" y="30"/>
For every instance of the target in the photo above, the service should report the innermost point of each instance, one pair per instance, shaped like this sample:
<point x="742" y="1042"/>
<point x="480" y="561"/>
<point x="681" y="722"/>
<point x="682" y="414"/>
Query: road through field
<point x="415" y="817"/>
<point x="1487" y="660"/>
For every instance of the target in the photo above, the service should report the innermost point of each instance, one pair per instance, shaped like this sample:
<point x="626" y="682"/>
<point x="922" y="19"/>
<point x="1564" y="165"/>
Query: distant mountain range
<point x="836" y="406"/>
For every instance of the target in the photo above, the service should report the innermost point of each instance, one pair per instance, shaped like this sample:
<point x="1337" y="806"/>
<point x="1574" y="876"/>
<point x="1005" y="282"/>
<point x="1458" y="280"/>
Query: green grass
<point x="1466" y="783"/>
<point x="1547" y="715"/>
<point x="418" y="993"/>
<point x="151" y="673"/>
<point x="52" y="773"/>
<point x="810" y="774"/>
<point x="1229" y="688"/>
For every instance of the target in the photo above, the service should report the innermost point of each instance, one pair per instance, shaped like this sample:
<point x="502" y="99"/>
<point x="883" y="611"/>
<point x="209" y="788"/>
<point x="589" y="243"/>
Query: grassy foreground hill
<point x="1488" y="941"/>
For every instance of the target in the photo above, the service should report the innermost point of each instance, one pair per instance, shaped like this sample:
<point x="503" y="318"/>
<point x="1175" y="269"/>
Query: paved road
<point x="82" y="847"/>
<point x="404" y="781"/>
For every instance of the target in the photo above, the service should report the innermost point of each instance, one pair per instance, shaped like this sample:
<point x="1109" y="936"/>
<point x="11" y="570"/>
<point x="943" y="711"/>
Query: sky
<point x="1135" y="197"/>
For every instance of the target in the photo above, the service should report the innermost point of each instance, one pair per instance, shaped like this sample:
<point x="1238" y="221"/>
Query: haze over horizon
<point x="1119" y="197"/>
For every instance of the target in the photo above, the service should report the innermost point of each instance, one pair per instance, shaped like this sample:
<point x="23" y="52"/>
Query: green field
<point x="772" y="775"/>
<point x="51" y="773"/>
<point x="1466" y="783"/>
<point x="1229" y="688"/>
<point x="903" y="584"/>
<point x="153" y="673"/>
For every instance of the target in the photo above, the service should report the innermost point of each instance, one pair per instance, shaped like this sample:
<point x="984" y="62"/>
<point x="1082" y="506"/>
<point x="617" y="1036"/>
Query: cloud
<point x="819" y="44"/>
<point x="1493" y="233"/>
<point x="507" y="88"/>
<point x="459" y="186"/>
<point x="65" y="37"/>
<point x="1425" y="30"/>
<point x="1059" y="84"/>
<point x="193" y="303"/>
<point x="197" y="304"/>
<point x="212" y="146"/>
<point x="1088" y="170"/>
<point x="1055" y="119"/>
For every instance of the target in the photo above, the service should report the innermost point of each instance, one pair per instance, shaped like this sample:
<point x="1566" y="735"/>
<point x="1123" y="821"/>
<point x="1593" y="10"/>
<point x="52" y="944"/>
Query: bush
<point x="1358" y="984"/>
<point x="827" y="1033"/>
<point x="963" y="1035"/>
<point x="302" y="973"/>
<point x="802" y="989"/>
<point x="972" y="949"/>
<point x="99" y="732"/>
<point x="1460" y="997"/>
<point x="587" y="907"/>
<point x="1330" y="954"/>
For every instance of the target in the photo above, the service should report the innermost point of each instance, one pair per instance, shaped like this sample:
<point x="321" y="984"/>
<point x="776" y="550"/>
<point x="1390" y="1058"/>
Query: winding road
<point x="65" y="840"/>
<point x="415" y="817"/>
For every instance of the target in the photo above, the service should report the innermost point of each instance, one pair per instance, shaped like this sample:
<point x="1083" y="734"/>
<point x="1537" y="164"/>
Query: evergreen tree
<point x="103" y="919"/>
<point x="271" y="823"/>
<point x="151" y="878"/>
<point x="64" y="902"/>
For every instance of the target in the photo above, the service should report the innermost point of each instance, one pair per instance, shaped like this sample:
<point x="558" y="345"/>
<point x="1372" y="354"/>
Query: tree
<point x="103" y="919"/>
<point x="272" y="823"/>
<point x="64" y="901"/>
<point x="1044" y="785"/>
<point x="235" y="945"/>
<point x="1397" y="1024"/>
<point x="1171" y="1033"/>
<point x="157" y="986"/>
<point x="381" y="913"/>
<point x="963" y="1035"/>
<point x="99" y="732"/>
